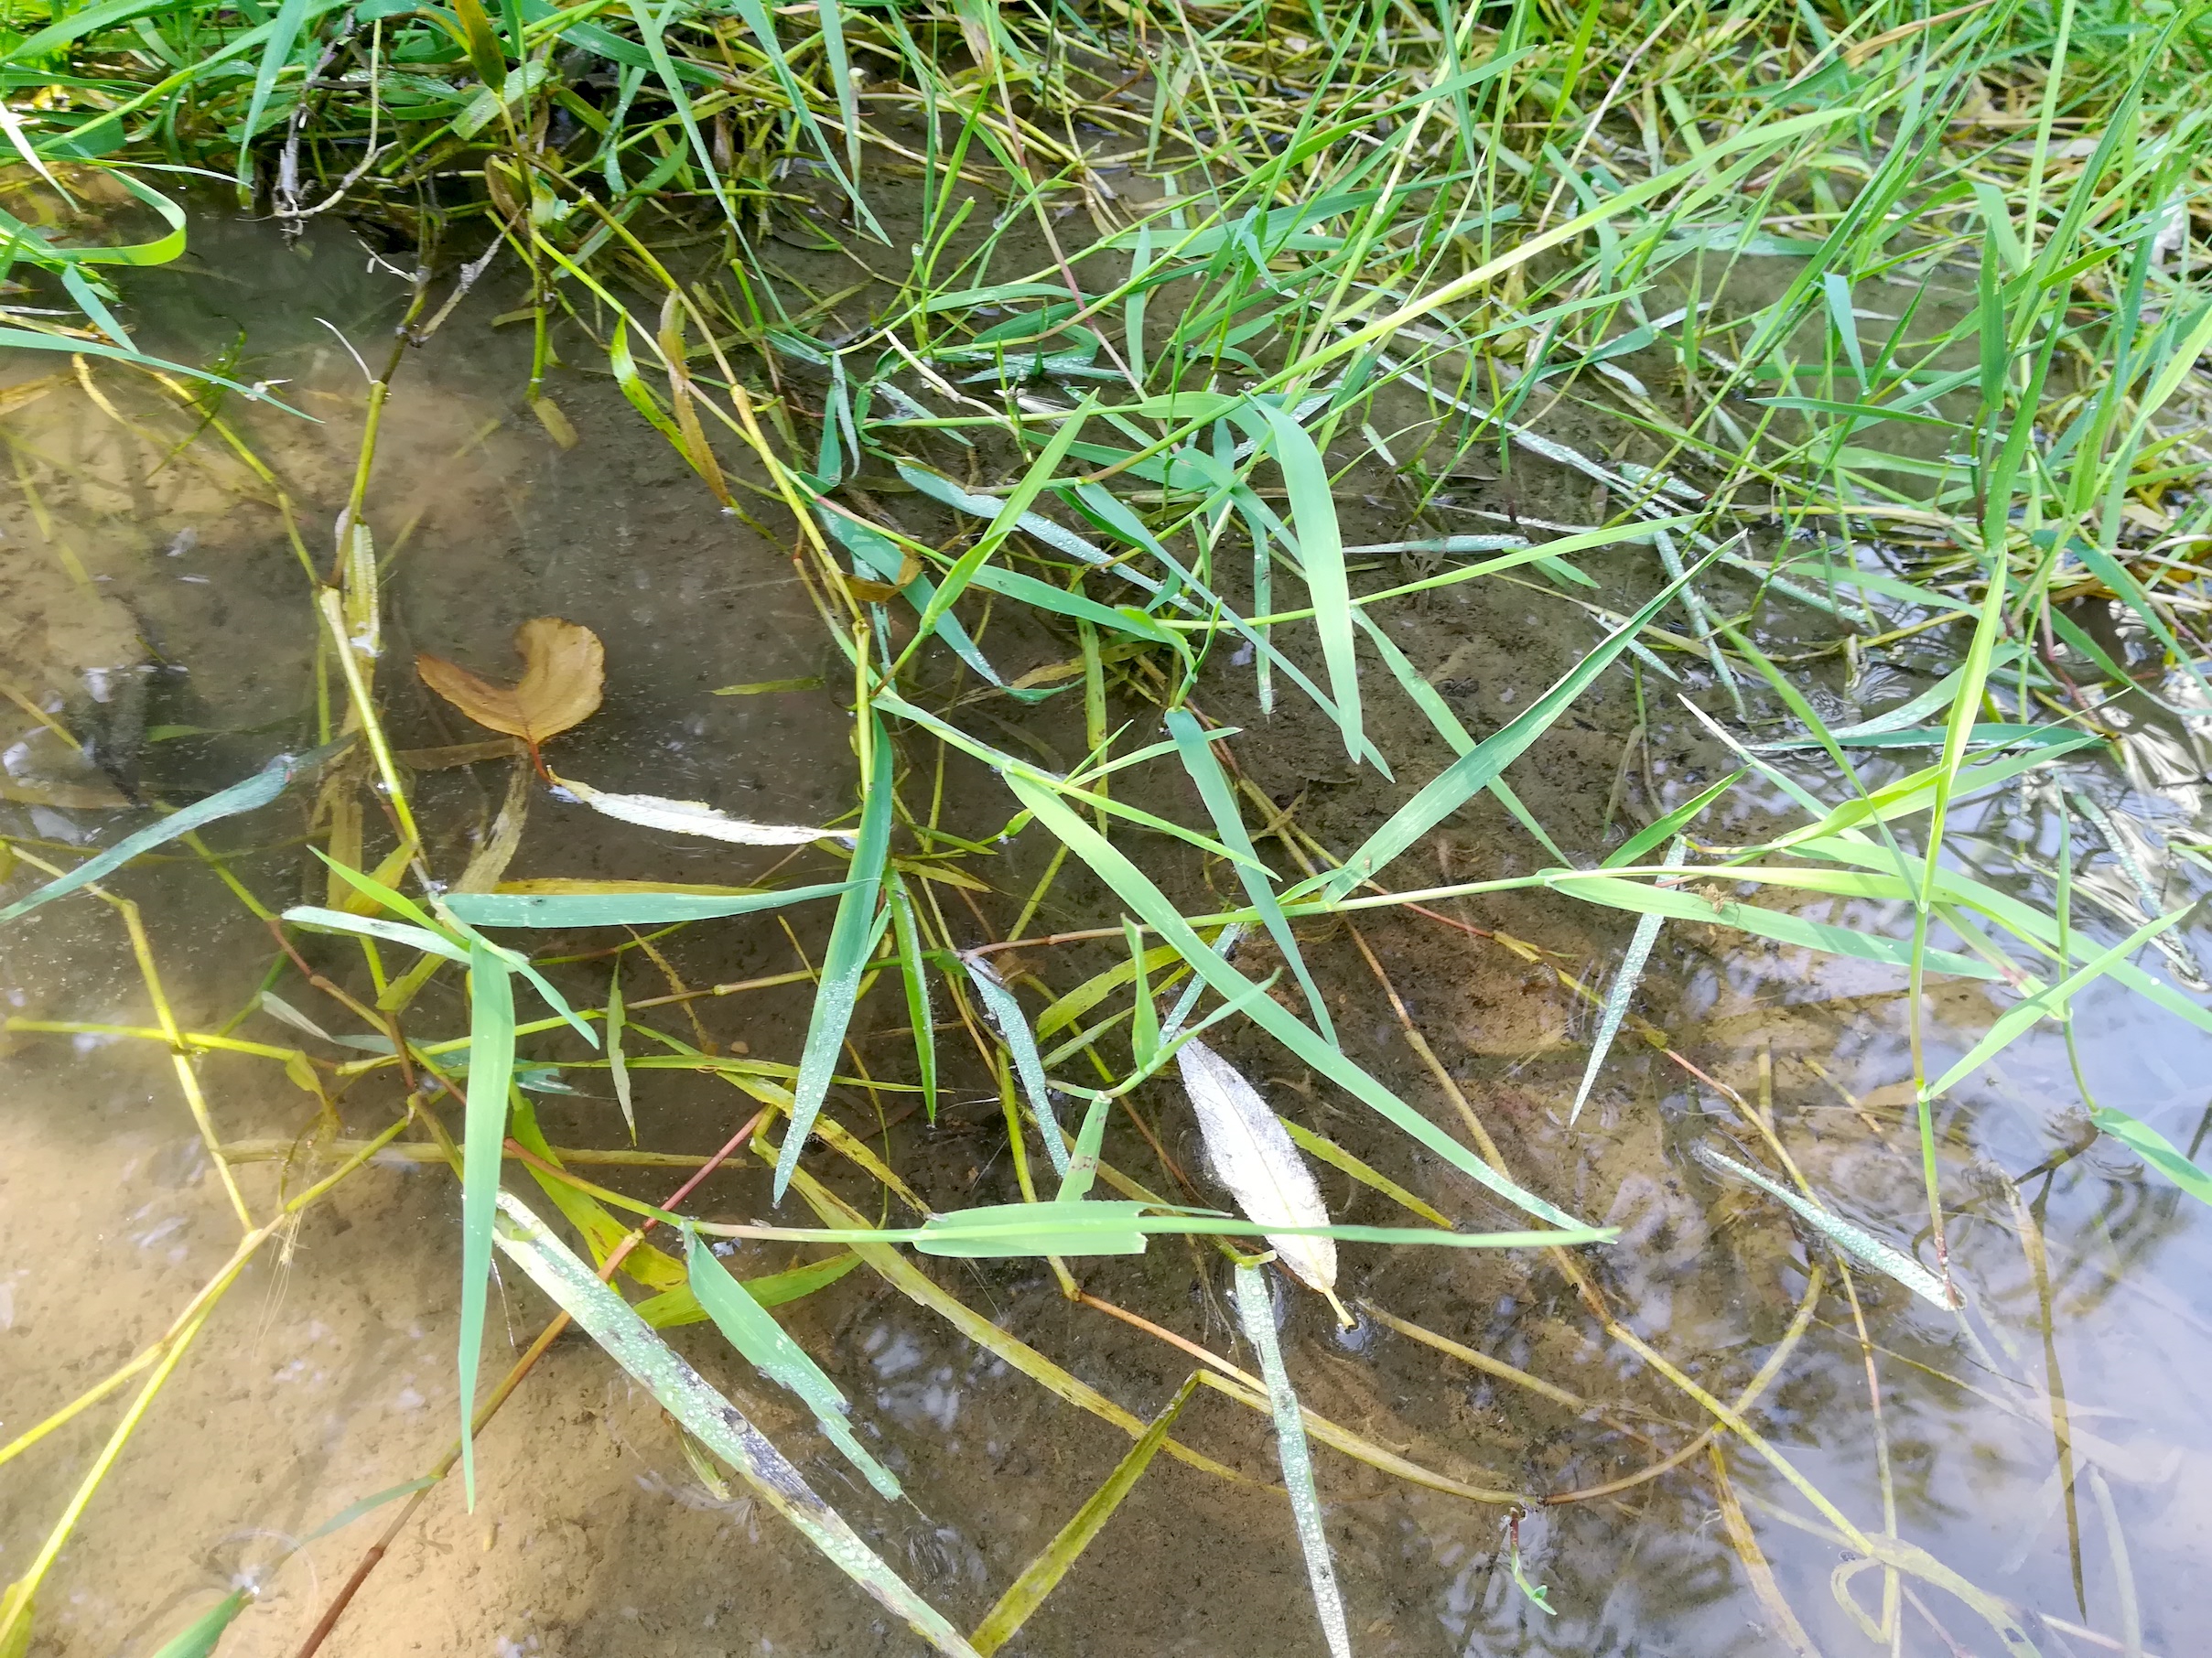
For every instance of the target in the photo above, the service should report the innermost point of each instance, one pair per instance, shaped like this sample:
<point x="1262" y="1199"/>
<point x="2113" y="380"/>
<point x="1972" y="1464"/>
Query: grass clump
<point x="1851" y="338"/>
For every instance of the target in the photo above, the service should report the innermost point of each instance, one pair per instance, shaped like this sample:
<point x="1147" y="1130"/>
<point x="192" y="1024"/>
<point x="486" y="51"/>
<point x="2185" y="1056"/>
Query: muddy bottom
<point x="2041" y="1445"/>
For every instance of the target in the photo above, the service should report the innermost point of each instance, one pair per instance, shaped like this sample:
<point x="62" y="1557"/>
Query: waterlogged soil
<point x="151" y="602"/>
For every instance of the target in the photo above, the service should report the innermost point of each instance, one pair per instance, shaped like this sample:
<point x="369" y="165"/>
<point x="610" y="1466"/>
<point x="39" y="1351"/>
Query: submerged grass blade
<point x="1623" y="989"/>
<point x="751" y="1328"/>
<point x="710" y="1418"/>
<point x="1256" y="1312"/>
<point x="1043" y="1572"/>
<point x="1853" y="1239"/>
<point x="257" y="790"/>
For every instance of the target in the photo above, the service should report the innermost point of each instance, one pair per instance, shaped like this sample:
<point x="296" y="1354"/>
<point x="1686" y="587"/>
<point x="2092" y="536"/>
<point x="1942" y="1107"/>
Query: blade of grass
<point x="1043" y="1572"/>
<point x="851" y="937"/>
<point x="1256" y="1312"/>
<point x="711" y="1419"/>
<point x="484" y="1133"/>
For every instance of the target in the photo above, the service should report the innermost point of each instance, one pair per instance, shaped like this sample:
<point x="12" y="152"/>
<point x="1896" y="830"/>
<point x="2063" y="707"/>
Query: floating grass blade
<point x="257" y="791"/>
<point x="851" y="937"/>
<point x="691" y="817"/>
<point x="712" y="1420"/>
<point x="646" y="908"/>
<point x="484" y="1133"/>
<point x="1043" y="1572"/>
<point x="2155" y="1149"/>
<point x="1852" y="1240"/>
<point x="753" y="1331"/>
<point x="1623" y="989"/>
<point x="1256" y="1312"/>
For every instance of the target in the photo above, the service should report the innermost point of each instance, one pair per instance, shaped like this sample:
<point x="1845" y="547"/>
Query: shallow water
<point x="159" y="604"/>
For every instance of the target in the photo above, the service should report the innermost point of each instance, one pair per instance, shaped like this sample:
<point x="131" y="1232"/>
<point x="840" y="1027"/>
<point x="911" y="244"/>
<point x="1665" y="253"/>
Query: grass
<point x="1880" y="334"/>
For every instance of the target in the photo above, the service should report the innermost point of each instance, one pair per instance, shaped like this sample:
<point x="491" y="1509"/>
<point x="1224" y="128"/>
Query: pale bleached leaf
<point x="692" y="817"/>
<point x="1252" y="1156"/>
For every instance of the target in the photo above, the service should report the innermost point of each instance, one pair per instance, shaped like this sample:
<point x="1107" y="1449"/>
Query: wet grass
<point x="1862" y="339"/>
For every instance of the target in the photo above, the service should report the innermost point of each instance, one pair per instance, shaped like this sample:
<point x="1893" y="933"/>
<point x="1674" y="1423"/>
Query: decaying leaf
<point x="1252" y="1156"/>
<point x="564" y="671"/>
<point x="693" y="817"/>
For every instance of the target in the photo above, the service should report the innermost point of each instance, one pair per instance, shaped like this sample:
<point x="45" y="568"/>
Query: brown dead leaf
<point x="564" y="670"/>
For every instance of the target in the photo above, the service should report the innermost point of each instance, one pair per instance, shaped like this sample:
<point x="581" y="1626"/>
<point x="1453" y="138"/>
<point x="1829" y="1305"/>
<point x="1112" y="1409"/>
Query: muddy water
<point x="155" y="601"/>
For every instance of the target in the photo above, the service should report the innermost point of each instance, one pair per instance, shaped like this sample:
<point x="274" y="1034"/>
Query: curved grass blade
<point x="376" y="927"/>
<point x="1882" y="1258"/>
<point x="1199" y="760"/>
<point x="1136" y="890"/>
<point x="1623" y="989"/>
<point x="749" y="1327"/>
<point x="1042" y="1574"/>
<point x="851" y="936"/>
<point x="483" y="1141"/>
<point x="711" y="1419"/>
<point x="1013" y="1028"/>
<point x="1256" y="1312"/>
<point x="256" y="792"/>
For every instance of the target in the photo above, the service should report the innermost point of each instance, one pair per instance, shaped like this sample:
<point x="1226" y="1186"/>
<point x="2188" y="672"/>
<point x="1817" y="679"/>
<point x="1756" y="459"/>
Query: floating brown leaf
<point x="564" y="669"/>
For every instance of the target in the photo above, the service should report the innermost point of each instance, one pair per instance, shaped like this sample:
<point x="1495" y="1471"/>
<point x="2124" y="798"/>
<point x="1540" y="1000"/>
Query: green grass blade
<point x="764" y="26"/>
<point x="1256" y="1312"/>
<point x="2155" y="1149"/>
<point x="376" y="927"/>
<point x="275" y="53"/>
<point x="623" y="909"/>
<point x="1152" y="907"/>
<point x="914" y="969"/>
<point x="1321" y="551"/>
<point x="256" y="792"/>
<point x="1199" y="760"/>
<point x="199" y="1638"/>
<point x="483" y="1141"/>
<point x="851" y="936"/>
<point x="1043" y="1572"/>
<point x="2017" y="1019"/>
<point x="753" y="1331"/>
<point x="711" y="1419"/>
<point x="1013" y="1028"/>
<point x="618" y="1065"/>
<point x="1452" y="788"/>
<point x="1623" y="989"/>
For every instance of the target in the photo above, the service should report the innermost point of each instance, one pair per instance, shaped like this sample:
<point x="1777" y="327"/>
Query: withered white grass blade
<point x="693" y="817"/>
<point x="1252" y="1156"/>
<point x="1624" y="992"/>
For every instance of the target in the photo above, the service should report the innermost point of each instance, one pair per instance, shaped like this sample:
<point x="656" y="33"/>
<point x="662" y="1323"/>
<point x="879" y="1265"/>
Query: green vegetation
<point x="1870" y="327"/>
